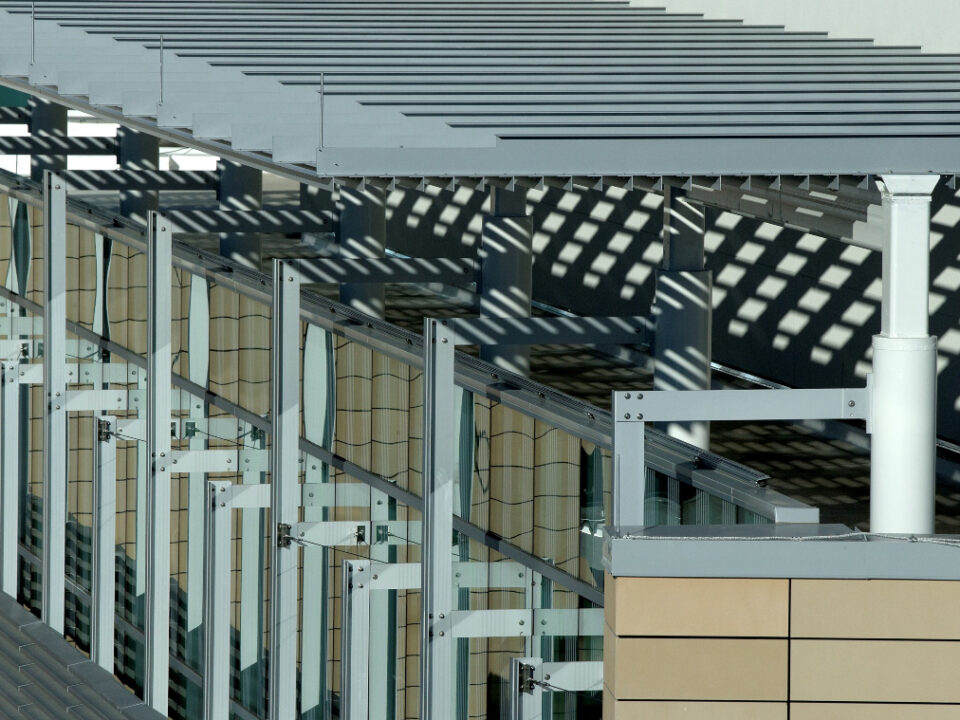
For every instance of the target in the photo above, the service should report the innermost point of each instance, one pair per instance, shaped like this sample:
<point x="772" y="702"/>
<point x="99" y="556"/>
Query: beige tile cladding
<point x="852" y="711"/>
<point x="885" y="671"/>
<point x="633" y="709"/>
<point x="882" y="609"/>
<point x="696" y="668"/>
<point x="692" y="607"/>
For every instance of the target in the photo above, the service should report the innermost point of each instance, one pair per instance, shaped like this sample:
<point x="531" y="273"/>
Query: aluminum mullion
<point x="103" y="581"/>
<point x="216" y="602"/>
<point x="355" y="640"/>
<point x="437" y="646"/>
<point x="285" y="495"/>
<point x="157" y="654"/>
<point x="54" y="397"/>
<point x="9" y="476"/>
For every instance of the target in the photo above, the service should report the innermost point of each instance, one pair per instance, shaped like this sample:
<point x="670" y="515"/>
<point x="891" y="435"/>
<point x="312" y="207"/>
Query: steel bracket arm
<point x="633" y="409"/>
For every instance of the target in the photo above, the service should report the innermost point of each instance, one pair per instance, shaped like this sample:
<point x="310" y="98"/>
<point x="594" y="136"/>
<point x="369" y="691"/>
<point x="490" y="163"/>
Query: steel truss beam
<point x="554" y="330"/>
<point x="52" y="145"/>
<point x="279" y="219"/>
<point x="389" y="270"/>
<point x="140" y="180"/>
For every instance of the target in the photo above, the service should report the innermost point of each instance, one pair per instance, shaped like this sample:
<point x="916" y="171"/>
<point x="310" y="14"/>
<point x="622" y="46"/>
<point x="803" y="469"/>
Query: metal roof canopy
<point x="550" y="89"/>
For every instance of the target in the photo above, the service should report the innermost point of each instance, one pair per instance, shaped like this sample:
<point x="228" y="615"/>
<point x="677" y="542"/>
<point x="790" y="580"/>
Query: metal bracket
<point x="283" y="535"/>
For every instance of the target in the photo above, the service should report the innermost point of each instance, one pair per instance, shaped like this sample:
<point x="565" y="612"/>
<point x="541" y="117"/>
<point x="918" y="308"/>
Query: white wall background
<point x="930" y="24"/>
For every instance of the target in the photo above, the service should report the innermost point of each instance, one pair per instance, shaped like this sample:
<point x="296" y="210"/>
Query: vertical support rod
<point x="284" y="490"/>
<point x="216" y="603"/>
<point x="903" y="422"/>
<point x="102" y="590"/>
<point x="437" y="667"/>
<point x="355" y="623"/>
<point x="684" y="310"/>
<point x="362" y="234"/>
<point x="629" y="468"/>
<point x="55" y="389"/>
<point x="159" y="267"/>
<point x="506" y="276"/>
<point x="9" y="476"/>
<point x="526" y="693"/>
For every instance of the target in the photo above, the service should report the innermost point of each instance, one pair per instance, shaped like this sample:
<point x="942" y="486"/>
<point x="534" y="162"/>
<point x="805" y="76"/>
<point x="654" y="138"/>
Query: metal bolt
<point x="546" y="677"/>
<point x="521" y="622"/>
<point x="302" y="534"/>
<point x="309" y="494"/>
<point x="223" y="504"/>
<point x="440" y="633"/>
<point x="162" y="454"/>
<point x="440" y="616"/>
<point x="639" y="416"/>
<point x="375" y="577"/>
<point x="639" y="396"/>
<point x="626" y="416"/>
<point x="58" y="407"/>
<point x="223" y="489"/>
<point x="162" y="468"/>
<point x="229" y="460"/>
<point x="444" y="341"/>
<point x="360" y="586"/>
<point x="163" y="229"/>
<point x="543" y="622"/>
<point x="852" y="403"/>
<point x="290" y="278"/>
<point x="56" y="187"/>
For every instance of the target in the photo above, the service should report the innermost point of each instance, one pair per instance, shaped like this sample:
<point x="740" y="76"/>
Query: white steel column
<point x="54" y="389"/>
<point x="506" y="275"/>
<point x="157" y="654"/>
<point x="437" y="645"/>
<point x="9" y="477"/>
<point x="284" y="490"/>
<point x="683" y="309"/>
<point x="903" y="447"/>
<point x="103" y="582"/>
<point x="362" y="234"/>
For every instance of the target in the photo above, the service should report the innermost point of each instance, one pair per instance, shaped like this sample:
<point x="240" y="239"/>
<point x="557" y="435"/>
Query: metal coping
<point x="779" y="551"/>
<point x="548" y="89"/>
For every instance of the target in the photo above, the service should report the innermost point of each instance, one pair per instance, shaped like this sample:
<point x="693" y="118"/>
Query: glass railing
<point x="532" y="486"/>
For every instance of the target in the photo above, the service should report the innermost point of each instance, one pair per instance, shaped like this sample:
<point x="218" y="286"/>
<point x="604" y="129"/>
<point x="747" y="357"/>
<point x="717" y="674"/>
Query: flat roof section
<point x="552" y="89"/>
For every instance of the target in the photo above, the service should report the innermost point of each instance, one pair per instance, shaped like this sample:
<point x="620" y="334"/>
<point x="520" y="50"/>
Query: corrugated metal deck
<point x="42" y="676"/>
<point x="552" y="89"/>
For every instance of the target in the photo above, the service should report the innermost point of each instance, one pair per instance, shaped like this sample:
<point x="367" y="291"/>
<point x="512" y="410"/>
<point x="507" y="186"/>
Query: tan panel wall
<point x="698" y="669"/>
<point x="857" y="648"/>
<point x="714" y="607"/>
<point x="633" y="709"/>
<point x="881" y="609"/>
<point x="853" y="711"/>
<point x="875" y="671"/>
